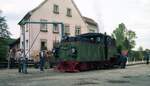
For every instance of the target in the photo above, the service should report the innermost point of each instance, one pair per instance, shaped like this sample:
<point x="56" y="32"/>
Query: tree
<point x="131" y="36"/>
<point x="147" y="50"/>
<point x="119" y="35"/>
<point x="141" y="54"/>
<point x="4" y="33"/>
<point x="125" y="38"/>
<point x="4" y="38"/>
<point x="3" y="49"/>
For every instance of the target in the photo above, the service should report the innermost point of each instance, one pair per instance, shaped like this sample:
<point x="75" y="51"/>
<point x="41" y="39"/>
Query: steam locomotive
<point x="87" y="52"/>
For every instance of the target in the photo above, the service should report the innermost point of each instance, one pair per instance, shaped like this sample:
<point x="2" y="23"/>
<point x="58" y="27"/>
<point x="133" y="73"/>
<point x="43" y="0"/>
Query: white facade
<point x="92" y="28"/>
<point x="91" y="25"/>
<point x="65" y="12"/>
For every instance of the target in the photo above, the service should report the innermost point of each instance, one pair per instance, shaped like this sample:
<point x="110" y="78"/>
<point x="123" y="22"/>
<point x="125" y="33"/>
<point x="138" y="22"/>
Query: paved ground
<point x="137" y="75"/>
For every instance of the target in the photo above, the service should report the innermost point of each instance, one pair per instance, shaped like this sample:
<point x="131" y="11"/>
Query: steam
<point x="98" y="14"/>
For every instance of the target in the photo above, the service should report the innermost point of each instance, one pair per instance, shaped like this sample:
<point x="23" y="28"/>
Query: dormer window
<point x="56" y="9"/>
<point x="69" y="12"/>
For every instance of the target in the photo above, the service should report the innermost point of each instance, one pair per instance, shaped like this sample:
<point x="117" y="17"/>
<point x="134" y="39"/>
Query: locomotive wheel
<point x="82" y="66"/>
<point x="67" y="66"/>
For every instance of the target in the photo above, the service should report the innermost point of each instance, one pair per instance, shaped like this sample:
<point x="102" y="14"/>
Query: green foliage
<point x="119" y="35"/>
<point x="141" y="54"/>
<point x="146" y="53"/>
<point x="4" y="38"/>
<point x="4" y="47"/>
<point x="4" y="33"/>
<point x="147" y="50"/>
<point x="137" y="55"/>
<point x="126" y="44"/>
<point x="3" y="53"/>
<point x="131" y="36"/>
<point x="125" y="38"/>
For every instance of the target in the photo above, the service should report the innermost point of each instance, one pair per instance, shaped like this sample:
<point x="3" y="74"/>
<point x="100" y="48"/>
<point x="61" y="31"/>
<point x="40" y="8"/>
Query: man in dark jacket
<point x="42" y="60"/>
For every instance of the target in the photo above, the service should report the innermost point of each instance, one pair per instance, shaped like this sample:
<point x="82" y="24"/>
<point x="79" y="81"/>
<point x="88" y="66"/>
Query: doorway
<point x="43" y="44"/>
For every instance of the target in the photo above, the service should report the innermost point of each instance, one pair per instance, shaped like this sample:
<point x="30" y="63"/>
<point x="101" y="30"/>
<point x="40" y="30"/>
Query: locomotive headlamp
<point x="73" y="50"/>
<point x="53" y="51"/>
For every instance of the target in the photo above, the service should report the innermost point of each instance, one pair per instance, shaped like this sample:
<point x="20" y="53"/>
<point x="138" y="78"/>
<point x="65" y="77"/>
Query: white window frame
<point x="67" y="29"/>
<point x="77" y="30"/>
<point x="69" y="12"/>
<point x="43" y="27"/>
<point x="55" y="28"/>
<point x="55" y="9"/>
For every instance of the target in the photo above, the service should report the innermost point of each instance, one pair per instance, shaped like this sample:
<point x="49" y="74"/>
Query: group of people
<point x="22" y="62"/>
<point x="44" y="60"/>
<point x="123" y="58"/>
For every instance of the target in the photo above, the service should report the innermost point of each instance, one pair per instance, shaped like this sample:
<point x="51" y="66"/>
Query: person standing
<point x="124" y="61"/>
<point x="20" y="61"/>
<point x="146" y="57"/>
<point x="25" y="64"/>
<point x="47" y="60"/>
<point x="42" y="60"/>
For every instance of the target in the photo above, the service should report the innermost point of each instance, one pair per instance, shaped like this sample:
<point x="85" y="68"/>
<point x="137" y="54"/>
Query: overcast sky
<point x="135" y="14"/>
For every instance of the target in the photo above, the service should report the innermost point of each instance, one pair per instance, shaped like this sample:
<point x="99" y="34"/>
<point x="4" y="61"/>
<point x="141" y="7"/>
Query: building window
<point x="43" y="27"/>
<point x="27" y="27"/>
<point x="67" y="30"/>
<point x="22" y="31"/>
<point x="22" y="43"/>
<point x="56" y="9"/>
<point x="55" y="43"/>
<point x="27" y="44"/>
<point x="55" y="28"/>
<point x="43" y="44"/>
<point x="69" y="12"/>
<point x="77" y="30"/>
<point x="27" y="30"/>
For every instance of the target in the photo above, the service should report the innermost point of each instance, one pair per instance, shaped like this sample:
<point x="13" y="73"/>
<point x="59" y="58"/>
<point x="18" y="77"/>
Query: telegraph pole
<point x="24" y="52"/>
